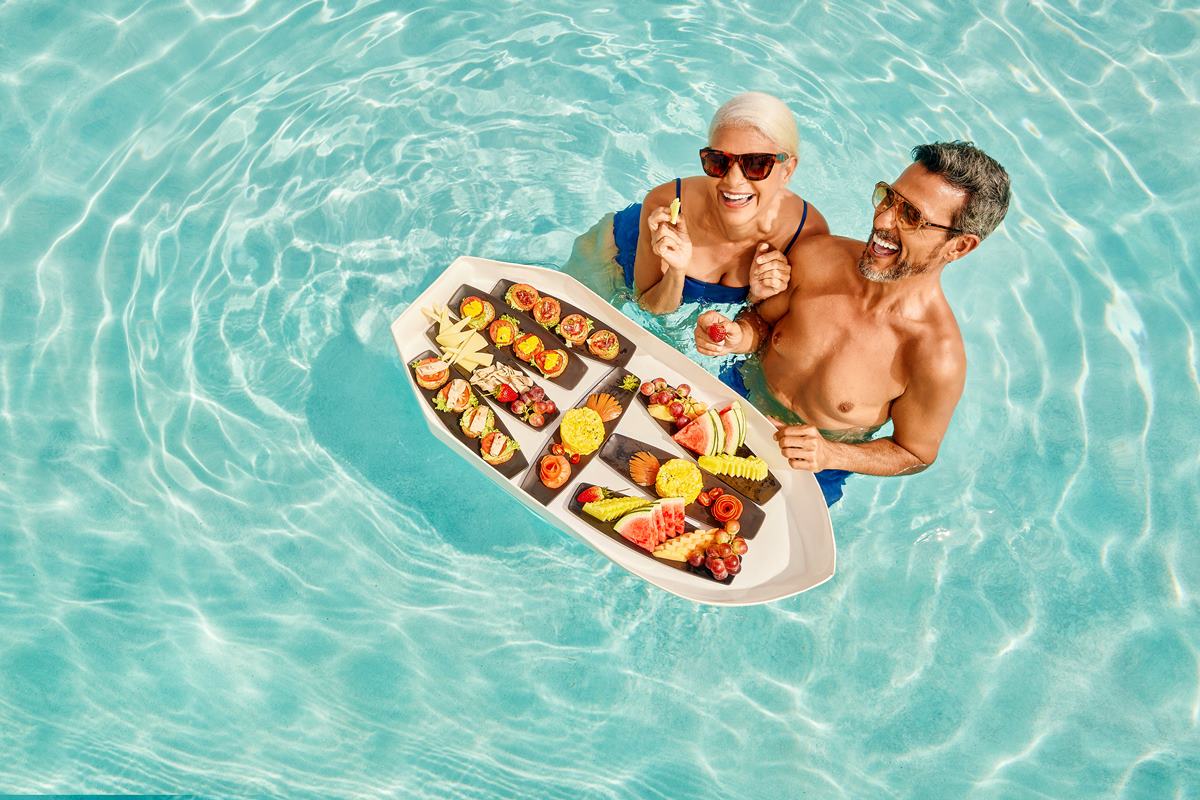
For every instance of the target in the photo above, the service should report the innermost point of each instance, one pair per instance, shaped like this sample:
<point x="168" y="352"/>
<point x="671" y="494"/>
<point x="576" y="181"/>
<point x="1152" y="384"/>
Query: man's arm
<point x="920" y="417"/>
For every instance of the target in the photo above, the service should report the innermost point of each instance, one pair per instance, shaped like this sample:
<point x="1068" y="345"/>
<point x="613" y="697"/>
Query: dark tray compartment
<point x="606" y="528"/>
<point x="576" y="369"/>
<point x="758" y="491"/>
<point x="623" y="355"/>
<point x="509" y="469"/>
<point x="619" y="448"/>
<point x="503" y="357"/>
<point x="610" y="383"/>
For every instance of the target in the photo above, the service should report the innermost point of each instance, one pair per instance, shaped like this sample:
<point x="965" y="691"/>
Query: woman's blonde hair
<point x="763" y="112"/>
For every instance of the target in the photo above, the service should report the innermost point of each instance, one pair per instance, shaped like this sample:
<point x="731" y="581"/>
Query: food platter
<point x="790" y="538"/>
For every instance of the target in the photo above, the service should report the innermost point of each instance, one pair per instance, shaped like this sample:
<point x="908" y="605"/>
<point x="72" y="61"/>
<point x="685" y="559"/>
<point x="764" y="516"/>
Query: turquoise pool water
<point x="233" y="562"/>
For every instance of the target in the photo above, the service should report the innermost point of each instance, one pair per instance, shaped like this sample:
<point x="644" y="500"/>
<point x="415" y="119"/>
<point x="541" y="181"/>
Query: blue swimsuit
<point x="627" y="226"/>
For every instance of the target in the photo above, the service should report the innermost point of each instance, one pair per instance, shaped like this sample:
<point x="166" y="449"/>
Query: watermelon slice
<point x="675" y="506"/>
<point x="718" y="441"/>
<point x="700" y="434"/>
<point x="733" y="421"/>
<point x="638" y="528"/>
<point x="658" y="522"/>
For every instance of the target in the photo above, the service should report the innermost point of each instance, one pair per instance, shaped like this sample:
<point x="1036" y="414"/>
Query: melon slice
<point x="698" y="435"/>
<point x="638" y="528"/>
<point x="733" y="421"/>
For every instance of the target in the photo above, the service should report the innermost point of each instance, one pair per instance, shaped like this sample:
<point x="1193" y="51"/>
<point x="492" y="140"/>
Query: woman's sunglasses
<point x="908" y="215"/>
<point x="755" y="166"/>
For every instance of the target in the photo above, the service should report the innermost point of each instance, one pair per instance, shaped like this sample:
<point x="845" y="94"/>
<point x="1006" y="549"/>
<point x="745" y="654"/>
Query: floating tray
<point x="509" y="469"/>
<point x="619" y="448"/>
<point x="794" y="548"/>
<point x="623" y="354"/>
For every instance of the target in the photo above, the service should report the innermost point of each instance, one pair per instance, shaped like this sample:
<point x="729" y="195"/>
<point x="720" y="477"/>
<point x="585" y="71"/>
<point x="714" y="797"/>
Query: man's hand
<point x="802" y="445"/>
<point x="669" y="242"/>
<point x="717" y="335"/>
<point x="769" y="273"/>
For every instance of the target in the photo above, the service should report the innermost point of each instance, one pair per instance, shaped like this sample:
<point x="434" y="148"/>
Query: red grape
<point x="646" y="388"/>
<point x="537" y="420"/>
<point x="676" y="409"/>
<point x="518" y="406"/>
<point x="681" y="422"/>
<point x="695" y="558"/>
<point x="683" y="390"/>
<point x="739" y="546"/>
<point x="733" y="564"/>
<point x="537" y="393"/>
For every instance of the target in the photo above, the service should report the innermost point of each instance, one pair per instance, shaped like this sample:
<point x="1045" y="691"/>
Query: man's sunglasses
<point x="908" y="215"/>
<point x="755" y="166"/>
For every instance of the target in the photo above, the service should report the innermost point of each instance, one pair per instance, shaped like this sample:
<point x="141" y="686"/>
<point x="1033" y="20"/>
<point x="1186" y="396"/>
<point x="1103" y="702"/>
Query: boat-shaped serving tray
<point x="793" y="549"/>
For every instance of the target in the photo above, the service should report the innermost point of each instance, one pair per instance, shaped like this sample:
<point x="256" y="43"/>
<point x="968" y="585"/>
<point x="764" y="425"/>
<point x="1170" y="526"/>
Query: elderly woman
<point x="735" y="225"/>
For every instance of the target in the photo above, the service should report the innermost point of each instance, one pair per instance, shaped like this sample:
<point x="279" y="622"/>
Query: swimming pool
<point x="234" y="562"/>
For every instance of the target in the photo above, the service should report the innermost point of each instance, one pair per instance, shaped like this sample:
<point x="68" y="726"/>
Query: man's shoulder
<point x="938" y="351"/>
<point x="823" y="246"/>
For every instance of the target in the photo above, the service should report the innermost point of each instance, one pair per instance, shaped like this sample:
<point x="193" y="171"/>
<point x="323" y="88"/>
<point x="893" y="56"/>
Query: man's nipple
<point x="845" y="407"/>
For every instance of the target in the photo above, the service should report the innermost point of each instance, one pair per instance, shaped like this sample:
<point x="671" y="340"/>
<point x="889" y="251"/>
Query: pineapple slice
<point x="677" y="549"/>
<point x="752" y="468"/>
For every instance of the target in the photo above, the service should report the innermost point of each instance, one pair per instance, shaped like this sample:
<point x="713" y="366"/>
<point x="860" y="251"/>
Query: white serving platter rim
<point x="793" y="552"/>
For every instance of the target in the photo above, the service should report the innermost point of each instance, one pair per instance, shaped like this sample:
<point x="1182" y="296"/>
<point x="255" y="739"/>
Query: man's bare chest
<point x="849" y="362"/>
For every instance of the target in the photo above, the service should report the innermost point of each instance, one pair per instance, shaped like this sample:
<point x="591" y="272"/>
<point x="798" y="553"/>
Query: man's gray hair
<point x="966" y="167"/>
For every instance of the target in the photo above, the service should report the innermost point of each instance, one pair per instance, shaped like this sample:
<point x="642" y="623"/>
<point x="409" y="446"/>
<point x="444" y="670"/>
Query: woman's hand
<point x="769" y="273"/>
<point x="717" y="335"/>
<point x="669" y="242"/>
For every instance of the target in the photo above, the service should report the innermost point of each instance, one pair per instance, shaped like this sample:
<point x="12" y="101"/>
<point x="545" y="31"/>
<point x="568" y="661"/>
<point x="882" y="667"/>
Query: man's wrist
<point x="754" y="330"/>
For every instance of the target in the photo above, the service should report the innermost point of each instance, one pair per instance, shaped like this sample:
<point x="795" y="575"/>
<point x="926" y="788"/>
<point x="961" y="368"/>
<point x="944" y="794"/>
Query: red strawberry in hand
<point x="590" y="495"/>
<point x="716" y="332"/>
<point x="506" y="394"/>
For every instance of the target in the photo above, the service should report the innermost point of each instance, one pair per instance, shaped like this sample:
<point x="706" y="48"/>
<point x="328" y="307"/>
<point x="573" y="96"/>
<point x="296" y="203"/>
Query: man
<point x="863" y="332"/>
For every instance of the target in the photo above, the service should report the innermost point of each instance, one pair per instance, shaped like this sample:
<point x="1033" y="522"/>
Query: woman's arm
<point x="664" y="252"/>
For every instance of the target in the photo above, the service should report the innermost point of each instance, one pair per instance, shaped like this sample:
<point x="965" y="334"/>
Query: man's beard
<point x="898" y="271"/>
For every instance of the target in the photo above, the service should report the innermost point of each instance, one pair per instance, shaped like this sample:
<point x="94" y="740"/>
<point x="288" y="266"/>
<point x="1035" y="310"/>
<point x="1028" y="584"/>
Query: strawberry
<point x="591" y="494"/>
<point x="716" y="332"/>
<point x="506" y="394"/>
